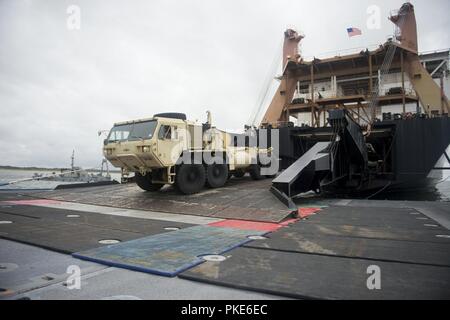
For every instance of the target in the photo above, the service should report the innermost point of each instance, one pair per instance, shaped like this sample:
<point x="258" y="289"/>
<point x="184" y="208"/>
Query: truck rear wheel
<point x="190" y="178"/>
<point x="145" y="182"/>
<point x="255" y="172"/>
<point x="216" y="175"/>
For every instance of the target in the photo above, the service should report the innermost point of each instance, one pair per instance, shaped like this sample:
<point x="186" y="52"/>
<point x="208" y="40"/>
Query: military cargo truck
<point x="167" y="149"/>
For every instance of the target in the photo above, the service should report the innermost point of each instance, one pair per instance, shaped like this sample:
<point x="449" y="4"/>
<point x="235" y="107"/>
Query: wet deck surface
<point x="366" y="234"/>
<point x="325" y="256"/>
<point x="240" y="199"/>
<point x="36" y="274"/>
<point x="72" y="231"/>
<point x="321" y="277"/>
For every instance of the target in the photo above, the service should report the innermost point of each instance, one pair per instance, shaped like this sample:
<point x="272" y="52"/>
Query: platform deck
<point x="240" y="199"/>
<point x="327" y="255"/>
<point x="73" y="231"/>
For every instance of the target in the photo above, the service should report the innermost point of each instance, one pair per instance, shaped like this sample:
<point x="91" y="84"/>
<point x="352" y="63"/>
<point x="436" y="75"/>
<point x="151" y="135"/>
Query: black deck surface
<point x="373" y="217"/>
<point x="374" y="222"/>
<point x="51" y="228"/>
<point x="398" y="224"/>
<point x="375" y="249"/>
<point x="322" y="277"/>
<point x="344" y="230"/>
<point x="327" y="255"/>
<point x="240" y="199"/>
<point x="319" y="235"/>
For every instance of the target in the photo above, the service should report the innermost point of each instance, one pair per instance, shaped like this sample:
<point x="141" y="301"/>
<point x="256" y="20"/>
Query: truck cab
<point x="168" y="149"/>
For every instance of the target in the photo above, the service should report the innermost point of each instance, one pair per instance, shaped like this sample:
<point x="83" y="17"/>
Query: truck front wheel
<point x="190" y="178"/>
<point x="216" y="175"/>
<point x="145" y="182"/>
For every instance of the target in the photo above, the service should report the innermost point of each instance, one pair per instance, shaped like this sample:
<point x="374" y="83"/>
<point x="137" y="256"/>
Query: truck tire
<point x="255" y="172"/>
<point x="239" y="173"/>
<point x="190" y="178"/>
<point x="216" y="175"/>
<point x="145" y="182"/>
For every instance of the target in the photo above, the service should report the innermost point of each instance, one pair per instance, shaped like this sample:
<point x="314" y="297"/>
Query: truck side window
<point x="165" y="132"/>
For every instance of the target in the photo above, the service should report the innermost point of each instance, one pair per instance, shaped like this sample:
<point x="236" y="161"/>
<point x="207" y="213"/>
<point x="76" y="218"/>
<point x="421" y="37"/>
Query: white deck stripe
<point x="142" y="214"/>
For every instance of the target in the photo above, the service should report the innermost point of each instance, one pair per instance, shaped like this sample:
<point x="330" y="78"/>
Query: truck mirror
<point x="105" y="142"/>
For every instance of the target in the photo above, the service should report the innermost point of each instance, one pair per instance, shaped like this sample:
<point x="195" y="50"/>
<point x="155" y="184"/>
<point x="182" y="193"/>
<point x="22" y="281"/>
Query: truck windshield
<point x="133" y="131"/>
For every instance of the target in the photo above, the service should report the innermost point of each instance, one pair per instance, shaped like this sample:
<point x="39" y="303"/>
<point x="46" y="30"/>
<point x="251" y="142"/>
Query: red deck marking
<point x="288" y="222"/>
<point x="32" y="202"/>
<point x="247" y="225"/>
<point x="306" y="212"/>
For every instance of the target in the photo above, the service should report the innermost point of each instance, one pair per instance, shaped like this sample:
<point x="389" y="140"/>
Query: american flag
<point x="353" y="32"/>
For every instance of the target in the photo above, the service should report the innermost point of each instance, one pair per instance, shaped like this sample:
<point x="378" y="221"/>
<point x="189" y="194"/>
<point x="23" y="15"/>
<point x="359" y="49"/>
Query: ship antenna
<point x="73" y="160"/>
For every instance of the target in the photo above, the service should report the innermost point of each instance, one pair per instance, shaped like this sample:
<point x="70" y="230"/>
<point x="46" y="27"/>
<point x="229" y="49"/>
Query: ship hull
<point x="405" y="152"/>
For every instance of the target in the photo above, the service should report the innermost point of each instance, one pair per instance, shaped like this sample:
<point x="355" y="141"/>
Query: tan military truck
<point x="168" y="149"/>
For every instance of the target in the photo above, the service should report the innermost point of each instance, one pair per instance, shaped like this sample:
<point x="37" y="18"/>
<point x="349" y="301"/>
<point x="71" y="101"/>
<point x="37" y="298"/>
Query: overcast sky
<point x="131" y="59"/>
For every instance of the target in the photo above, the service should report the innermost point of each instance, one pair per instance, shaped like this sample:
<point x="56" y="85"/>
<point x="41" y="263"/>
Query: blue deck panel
<point x="169" y="253"/>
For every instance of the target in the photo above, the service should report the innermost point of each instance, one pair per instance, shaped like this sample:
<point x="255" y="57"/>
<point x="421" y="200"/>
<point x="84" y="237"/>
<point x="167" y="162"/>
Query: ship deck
<point x="325" y="250"/>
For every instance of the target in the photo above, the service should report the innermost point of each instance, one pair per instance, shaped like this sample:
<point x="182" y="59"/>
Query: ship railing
<point x="342" y="52"/>
<point x="408" y="91"/>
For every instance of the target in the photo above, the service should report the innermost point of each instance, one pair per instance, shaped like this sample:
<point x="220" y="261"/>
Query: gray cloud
<point x="133" y="59"/>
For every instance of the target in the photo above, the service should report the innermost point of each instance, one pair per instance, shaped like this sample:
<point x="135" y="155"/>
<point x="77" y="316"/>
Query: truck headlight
<point x="146" y="149"/>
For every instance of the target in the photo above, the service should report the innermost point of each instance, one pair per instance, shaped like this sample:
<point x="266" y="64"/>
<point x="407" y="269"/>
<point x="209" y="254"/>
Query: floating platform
<point x="323" y="252"/>
<point x="70" y="231"/>
<point x="328" y="255"/>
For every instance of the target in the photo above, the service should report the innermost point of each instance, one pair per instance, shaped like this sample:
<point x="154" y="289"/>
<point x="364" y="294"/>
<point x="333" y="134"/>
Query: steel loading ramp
<point x="301" y="175"/>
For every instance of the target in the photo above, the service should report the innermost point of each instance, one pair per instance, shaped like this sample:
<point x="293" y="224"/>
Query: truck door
<point x="170" y="144"/>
